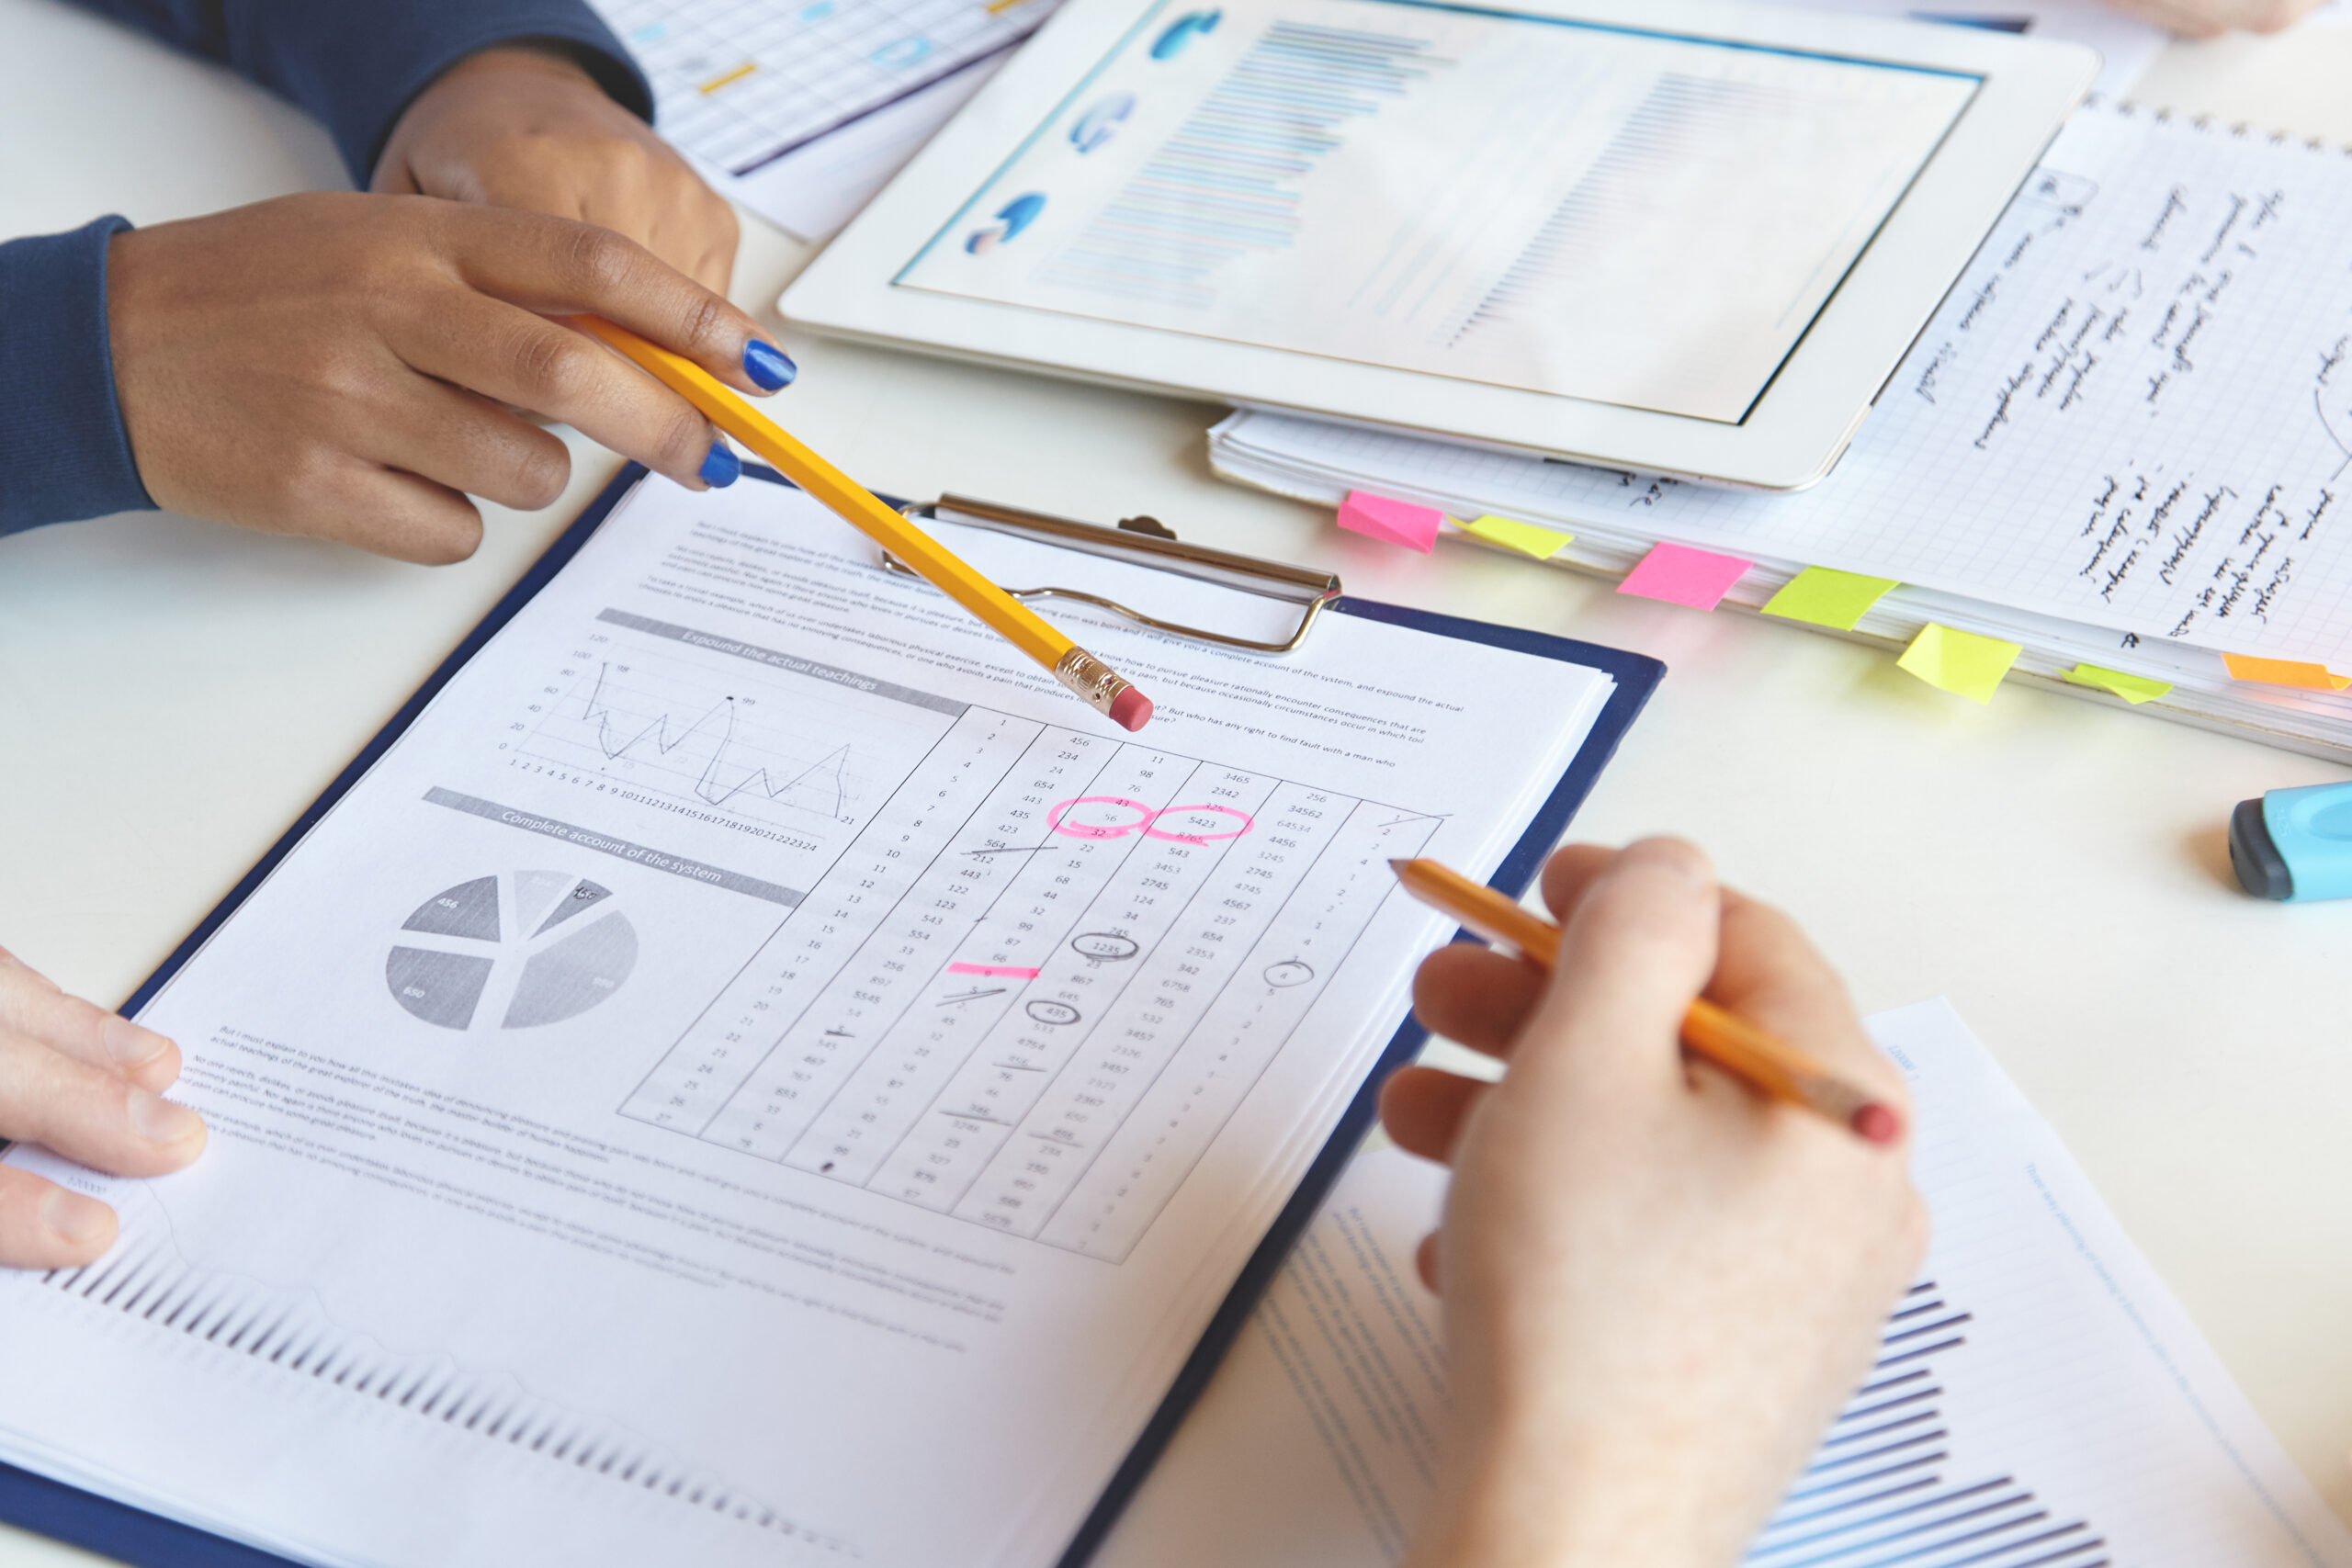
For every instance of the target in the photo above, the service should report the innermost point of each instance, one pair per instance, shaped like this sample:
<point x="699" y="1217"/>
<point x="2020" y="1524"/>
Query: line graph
<point x="662" y="727"/>
<point x="825" y="781"/>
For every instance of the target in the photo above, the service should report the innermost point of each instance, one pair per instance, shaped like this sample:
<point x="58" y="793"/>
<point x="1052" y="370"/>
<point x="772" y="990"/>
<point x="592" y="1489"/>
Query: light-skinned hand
<point x="525" y="128"/>
<point x="336" y="364"/>
<point x="1658" y="1287"/>
<point x="87" y="1084"/>
<point x="2205" y="18"/>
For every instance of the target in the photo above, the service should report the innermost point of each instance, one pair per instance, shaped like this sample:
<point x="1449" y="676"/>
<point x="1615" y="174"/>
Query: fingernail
<point x="130" y="1046"/>
<point x="160" y="1121"/>
<point x="74" y="1218"/>
<point x="765" y="364"/>
<point x="1672" y="854"/>
<point x="723" y="468"/>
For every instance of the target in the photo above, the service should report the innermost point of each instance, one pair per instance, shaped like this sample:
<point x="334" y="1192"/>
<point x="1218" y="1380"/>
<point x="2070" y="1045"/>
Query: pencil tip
<point x="1398" y="866"/>
<point x="1877" y="1124"/>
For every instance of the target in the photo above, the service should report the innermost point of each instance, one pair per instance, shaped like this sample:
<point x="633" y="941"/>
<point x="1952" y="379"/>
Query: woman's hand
<point x="2204" y="19"/>
<point x="1659" y="1286"/>
<point x="86" y="1084"/>
<point x="335" y="365"/>
<point x="520" y="127"/>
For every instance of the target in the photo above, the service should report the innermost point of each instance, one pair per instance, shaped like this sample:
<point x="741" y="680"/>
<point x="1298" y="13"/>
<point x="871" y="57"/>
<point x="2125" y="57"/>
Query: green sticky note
<point x="1959" y="662"/>
<point x="2132" y="689"/>
<point x="1525" y="538"/>
<point x="1825" y="598"/>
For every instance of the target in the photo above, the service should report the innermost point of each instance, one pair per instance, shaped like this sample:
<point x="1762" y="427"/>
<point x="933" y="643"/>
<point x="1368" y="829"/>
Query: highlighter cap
<point x="2295" y="844"/>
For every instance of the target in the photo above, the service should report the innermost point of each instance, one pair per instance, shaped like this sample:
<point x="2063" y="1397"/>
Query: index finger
<point x="553" y="266"/>
<point x="34" y="1005"/>
<point x="1767" y="970"/>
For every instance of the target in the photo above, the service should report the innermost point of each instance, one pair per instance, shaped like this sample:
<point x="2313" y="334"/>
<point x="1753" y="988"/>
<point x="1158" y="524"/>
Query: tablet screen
<point x="1632" y="218"/>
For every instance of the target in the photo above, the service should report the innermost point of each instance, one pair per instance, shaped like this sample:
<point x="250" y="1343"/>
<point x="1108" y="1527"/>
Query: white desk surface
<point x="172" y="694"/>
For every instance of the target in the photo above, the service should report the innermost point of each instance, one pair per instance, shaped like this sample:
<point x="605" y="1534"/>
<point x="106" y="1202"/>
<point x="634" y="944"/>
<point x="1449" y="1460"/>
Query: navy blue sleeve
<point x="63" y="453"/>
<point x="355" y="67"/>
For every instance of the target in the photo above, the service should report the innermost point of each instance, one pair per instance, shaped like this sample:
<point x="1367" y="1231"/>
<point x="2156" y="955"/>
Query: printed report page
<point x="758" y="1074"/>
<point x="1627" y="216"/>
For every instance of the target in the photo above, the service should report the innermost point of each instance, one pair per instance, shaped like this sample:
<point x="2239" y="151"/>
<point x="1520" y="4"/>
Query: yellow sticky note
<point x="1821" y="597"/>
<point x="2132" y="689"/>
<point x="1959" y="662"/>
<point x="1525" y="538"/>
<point x="2284" y="672"/>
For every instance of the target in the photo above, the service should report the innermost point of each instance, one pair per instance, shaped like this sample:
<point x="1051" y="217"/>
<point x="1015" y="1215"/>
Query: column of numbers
<point x="1065" y="845"/>
<point x="1146" y="909"/>
<point x="741" y="1027"/>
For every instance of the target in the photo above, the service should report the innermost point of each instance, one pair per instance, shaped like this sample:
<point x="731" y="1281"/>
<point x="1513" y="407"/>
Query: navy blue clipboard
<point x="148" y="1540"/>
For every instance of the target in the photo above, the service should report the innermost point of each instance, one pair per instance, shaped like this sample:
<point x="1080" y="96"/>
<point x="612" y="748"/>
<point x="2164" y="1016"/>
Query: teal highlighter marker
<point x="2294" y="844"/>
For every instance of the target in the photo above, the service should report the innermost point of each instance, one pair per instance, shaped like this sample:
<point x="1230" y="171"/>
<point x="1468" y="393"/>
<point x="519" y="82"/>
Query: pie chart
<point x="522" y="948"/>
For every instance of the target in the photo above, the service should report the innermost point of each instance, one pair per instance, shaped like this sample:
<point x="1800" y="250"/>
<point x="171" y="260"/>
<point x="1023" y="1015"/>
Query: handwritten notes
<point x="2132" y="689"/>
<point x="1959" y="662"/>
<point x="2133" y="411"/>
<point x="1542" y="544"/>
<point x="1683" y="576"/>
<point x="2285" y="672"/>
<point x="1821" y="597"/>
<point x="1391" y="521"/>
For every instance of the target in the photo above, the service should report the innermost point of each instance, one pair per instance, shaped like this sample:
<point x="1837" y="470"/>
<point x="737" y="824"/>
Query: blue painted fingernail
<point x="765" y="364"/>
<point x="723" y="468"/>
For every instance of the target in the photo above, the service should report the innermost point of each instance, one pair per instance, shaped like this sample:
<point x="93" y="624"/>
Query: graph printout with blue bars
<point x="739" y="84"/>
<point x="1629" y="218"/>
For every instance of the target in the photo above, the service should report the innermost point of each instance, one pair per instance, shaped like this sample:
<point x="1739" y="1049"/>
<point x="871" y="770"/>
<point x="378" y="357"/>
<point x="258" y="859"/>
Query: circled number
<point x="1147" y="820"/>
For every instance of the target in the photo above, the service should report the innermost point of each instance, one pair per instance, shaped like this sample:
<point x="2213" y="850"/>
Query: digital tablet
<point x="1687" y="235"/>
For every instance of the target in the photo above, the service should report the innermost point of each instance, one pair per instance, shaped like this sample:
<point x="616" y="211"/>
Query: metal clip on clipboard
<point x="1142" y="541"/>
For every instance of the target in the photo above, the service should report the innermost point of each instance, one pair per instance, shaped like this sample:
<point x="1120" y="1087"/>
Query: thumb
<point x="1638" y="947"/>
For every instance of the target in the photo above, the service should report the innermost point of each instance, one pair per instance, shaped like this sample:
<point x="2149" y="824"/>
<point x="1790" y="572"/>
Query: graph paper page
<point x="2134" y="410"/>
<point x="758" y="1075"/>
<point x="1498" y="197"/>
<point x="740" y="84"/>
<point x="802" y="109"/>
<point x="2042" y="1401"/>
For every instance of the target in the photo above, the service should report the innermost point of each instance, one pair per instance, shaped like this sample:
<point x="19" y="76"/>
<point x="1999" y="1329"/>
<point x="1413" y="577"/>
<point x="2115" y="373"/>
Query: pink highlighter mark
<point x="1683" y="576"/>
<point x="994" y="971"/>
<point x="1391" y="521"/>
<point x="1156" y="831"/>
<point x="1055" y="819"/>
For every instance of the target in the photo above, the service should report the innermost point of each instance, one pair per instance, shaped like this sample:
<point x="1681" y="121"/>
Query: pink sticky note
<point x="1679" y="576"/>
<point x="1393" y="521"/>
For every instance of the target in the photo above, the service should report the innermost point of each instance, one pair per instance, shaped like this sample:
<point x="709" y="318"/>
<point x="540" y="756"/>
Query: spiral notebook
<point x="2123" y="443"/>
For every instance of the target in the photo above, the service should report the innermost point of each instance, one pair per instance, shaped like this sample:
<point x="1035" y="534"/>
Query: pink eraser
<point x="1131" y="709"/>
<point x="1390" y="521"/>
<point x="1680" y="575"/>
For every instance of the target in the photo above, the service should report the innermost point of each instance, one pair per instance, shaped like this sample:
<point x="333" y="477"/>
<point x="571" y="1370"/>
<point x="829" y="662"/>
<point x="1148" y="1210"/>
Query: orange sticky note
<point x="1680" y="575"/>
<point x="2284" y="672"/>
<point x="1391" y="521"/>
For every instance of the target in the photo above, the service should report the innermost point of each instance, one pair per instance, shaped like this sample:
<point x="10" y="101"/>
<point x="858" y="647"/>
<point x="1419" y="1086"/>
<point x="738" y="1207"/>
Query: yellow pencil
<point x="1729" y="1040"/>
<point x="1094" y="682"/>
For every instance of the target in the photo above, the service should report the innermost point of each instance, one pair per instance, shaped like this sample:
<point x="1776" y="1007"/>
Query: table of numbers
<point x="1038" y="982"/>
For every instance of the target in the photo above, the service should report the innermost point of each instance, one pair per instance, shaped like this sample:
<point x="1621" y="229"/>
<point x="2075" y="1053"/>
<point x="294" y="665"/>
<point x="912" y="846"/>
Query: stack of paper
<point x="2040" y="1400"/>
<point x="2115" y="459"/>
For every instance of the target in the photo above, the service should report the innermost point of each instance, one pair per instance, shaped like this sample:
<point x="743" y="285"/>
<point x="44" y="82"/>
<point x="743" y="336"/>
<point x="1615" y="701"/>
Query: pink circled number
<point x="1144" y="814"/>
<point x="1246" y="821"/>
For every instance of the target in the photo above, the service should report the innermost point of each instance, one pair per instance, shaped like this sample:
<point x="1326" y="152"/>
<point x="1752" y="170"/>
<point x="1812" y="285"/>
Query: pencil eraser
<point x="1131" y="709"/>
<point x="2294" y="844"/>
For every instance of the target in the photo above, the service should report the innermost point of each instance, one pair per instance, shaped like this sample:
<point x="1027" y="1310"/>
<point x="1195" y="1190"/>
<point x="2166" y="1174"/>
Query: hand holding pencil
<point x="1659" y="1286"/>
<point x="1764" y="1063"/>
<point x="1095" y="682"/>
